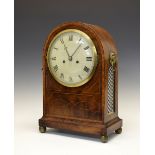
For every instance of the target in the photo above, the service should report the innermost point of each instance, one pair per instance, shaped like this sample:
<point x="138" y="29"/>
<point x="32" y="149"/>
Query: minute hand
<point x="76" y="50"/>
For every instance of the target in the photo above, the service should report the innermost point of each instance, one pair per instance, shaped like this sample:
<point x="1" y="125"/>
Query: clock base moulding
<point x="96" y="128"/>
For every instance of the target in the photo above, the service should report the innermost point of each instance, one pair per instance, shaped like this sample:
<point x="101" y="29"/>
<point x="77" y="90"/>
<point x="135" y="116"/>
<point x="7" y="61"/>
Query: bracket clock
<point x="80" y="81"/>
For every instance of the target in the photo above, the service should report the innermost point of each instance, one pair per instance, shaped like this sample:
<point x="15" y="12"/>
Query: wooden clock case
<point x="82" y="109"/>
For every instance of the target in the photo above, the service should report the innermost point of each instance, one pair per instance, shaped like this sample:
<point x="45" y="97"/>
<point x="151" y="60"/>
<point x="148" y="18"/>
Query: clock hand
<point x="69" y="57"/>
<point x="76" y="50"/>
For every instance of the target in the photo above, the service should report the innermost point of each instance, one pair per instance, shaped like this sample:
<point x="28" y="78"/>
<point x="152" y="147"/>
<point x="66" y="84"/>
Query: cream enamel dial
<point x="72" y="58"/>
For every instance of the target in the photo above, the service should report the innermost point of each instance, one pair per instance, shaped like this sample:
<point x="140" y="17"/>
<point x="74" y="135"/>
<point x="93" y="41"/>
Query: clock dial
<point x="72" y="58"/>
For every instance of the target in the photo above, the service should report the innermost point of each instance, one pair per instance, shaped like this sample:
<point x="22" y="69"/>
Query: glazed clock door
<point x="72" y="58"/>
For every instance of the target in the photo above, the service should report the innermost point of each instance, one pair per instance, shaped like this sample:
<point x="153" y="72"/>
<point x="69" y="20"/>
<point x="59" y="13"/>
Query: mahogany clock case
<point x="82" y="109"/>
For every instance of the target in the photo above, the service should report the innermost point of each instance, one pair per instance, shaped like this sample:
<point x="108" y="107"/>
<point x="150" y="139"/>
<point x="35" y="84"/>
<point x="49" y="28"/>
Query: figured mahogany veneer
<point x="82" y="109"/>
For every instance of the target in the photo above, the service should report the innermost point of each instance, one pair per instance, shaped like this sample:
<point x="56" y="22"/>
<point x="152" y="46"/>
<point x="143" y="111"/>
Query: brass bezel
<point x="94" y="54"/>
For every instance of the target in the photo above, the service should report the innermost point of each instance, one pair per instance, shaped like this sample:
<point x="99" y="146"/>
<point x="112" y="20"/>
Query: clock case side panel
<point x="111" y="120"/>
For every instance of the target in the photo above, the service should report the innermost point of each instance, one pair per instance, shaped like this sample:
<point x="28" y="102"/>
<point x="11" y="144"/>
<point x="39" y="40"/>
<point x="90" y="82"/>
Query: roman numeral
<point x="86" y="47"/>
<point x="70" y="79"/>
<point x="53" y="58"/>
<point x="55" y="68"/>
<point x="88" y="58"/>
<point x="61" y="39"/>
<point x="71" y="37"/>
<point x="86" y="69"/>
<point x="80" y="77"/>
<point x="62" y="76"/>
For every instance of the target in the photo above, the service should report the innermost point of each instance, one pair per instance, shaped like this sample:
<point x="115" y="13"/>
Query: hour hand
<point x="69" y="57"/>
<point x="66" y="49"/>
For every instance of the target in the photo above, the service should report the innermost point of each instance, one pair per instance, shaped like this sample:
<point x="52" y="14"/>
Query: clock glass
<point x="72" y="58"/>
